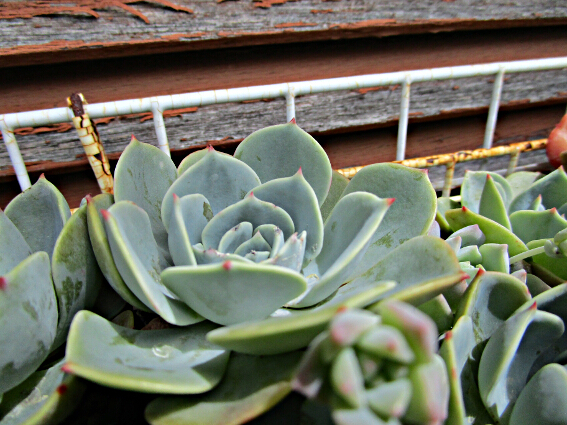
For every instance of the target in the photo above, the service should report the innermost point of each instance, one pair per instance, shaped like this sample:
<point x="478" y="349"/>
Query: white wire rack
<point x="158" y="104"/>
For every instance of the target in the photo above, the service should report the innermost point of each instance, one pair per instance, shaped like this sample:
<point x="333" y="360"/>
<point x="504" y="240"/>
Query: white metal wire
<point x="159" y="104"/>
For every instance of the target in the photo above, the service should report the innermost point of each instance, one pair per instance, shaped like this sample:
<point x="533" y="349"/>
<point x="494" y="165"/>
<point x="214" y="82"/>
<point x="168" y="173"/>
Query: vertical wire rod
<point x="493" y="110"/>
<point x="159" y="126"/>
<point x="290" y="103"/>
<point x="403" y="122"/>
<point x="15" y="156"/>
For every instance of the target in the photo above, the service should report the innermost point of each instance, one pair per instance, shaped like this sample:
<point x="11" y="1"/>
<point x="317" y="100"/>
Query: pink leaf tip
<point x="42" y="176"/>
<point x="175" y="197"/>
<point x="3" y="283"/>
<point x="533" y="306"/>
<point x="133" y="138"/>
<point x="293" y="121"/>
<point x="88" y="198"/>
<point x="210" y="148"/>
<point x="488" y="177"/>
<point x="227" y="265"/>
<point x="251" y="194"/>
<point x="390" y="201"/>
<point x="465" y="209"/>
<point x="448" y="335"/>
<point x="300" y="171"/>
<point x="105" y="214"/>
<point x="66" y="368"/>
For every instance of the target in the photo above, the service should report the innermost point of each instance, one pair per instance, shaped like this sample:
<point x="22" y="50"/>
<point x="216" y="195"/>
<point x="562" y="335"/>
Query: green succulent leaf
<point x="386" y="342"/>
<point x="291" y="253"/>
<point x="179" y="240"/>
<point x="492" y="205"/>
<point x="390" y="399"/>
<point x="297" y="198"/>
<point x="495" y="257"/>
<point x="552" y="188"/>
<point x="494" y="232"/>
<point x="235" y="237"/>
<point x="139" y="262"/>
<point x="193" y="158"/>
<point x="251" y="386"/>
<point x="39" y="213"/>
<point x="76" y="276"/>
<point x="172" y="361"/>
<point x="101" y="248"/>
<point x="346" y="378"/>
<point x="295" y="330"/>
<point x="411" y="214"/>
<point x="46" y="397"/>
<point x="439" y="310"/>
<point x="543" y="400"/>
<point x="347" y="233"/>
<point x="469" y="254"/>
<point x="532" y="225"/>
<point x="28" y="319"/>
<point x="280" y="150"/>
<point x="470" y="235"/>
<point x="143" y="175"/>
<point x="520" y="180"/>
<point x="444" y="204"/>
<point x="255" y="243"/>
<point x="13" y="247"/>
<point x="555" y="266"/>
<point x="509" y="355"/>
<point x="247" y="291"/>
<point x="249" y="209"/>
<point x="473" y="187"/>
<point x="338" y="185"/>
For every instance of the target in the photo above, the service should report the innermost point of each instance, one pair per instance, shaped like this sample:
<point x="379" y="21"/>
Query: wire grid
<point x="157" y="105"/>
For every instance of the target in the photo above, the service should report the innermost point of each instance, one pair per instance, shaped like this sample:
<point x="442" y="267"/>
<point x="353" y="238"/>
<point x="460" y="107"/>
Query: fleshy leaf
<point x="172" y="361"/>
<point x="76" y="276"/>
<point x="520" y="180"/>
<point x="28" y="319"/>
<point x="291" y="253"/>
<point x="196" y="212"/>
<point x="338" y="185"/>
<point x="469" y="253"/>
<point x="280" y="150"/>
<point x="251" y="386"/>
<point x="297" y="198"/>
<point x="494" y="232"/>
<point x="444" y="204"/>
<point x="46" y="397"/>
<point x="101" y="248"/>
<point x="13" y="247"/>
<point x="556" y="266"/>
<point x="532" y="225"/>
<point x="193" y="158"/>
<point x="346" y="378"/>
<point x="234" y="292"/>
<point x="212" y="256"/>
<point x="255" y="243"/>
<point x="552" y="188"/>
<point x="390" y="398"/>
<point x="495" y="257"/>
<point x="439" y="310"/>
<point x="348" y="230"/>
<point x="222" y="179"/>
<point x="179" y="240"/>
<point x="250" y="209"/>
<point x="543" y="400"/>
<point x="386" y="342"/>
<point x="276" y="335"/>
<point x="470" y="235"/>
<point x="473" y="185"/>
<point x="411" y="215"/>
<point x="492" y="205"/>
<point x="235" y="237"/>
<point x="138" y="260"/>
<point x="39" y="213"/>
<point x="143" y="175"/>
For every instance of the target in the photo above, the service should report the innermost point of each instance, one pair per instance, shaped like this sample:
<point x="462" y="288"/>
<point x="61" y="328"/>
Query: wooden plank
<point x="32" y="30"/>
<point x="319" y="114"/>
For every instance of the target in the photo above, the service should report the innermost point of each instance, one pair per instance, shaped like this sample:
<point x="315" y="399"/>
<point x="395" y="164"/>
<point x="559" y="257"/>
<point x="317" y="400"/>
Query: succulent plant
<point x="377" y="368"/>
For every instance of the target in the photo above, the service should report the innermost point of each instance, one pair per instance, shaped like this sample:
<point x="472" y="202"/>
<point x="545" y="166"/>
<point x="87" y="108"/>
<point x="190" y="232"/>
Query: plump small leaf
<point x="338" y="185"/>
<point x="552" y="188"/>
<point x="179" y="240"/>
<point x="13" y="247"/>
<point x="532" y="225"/>
<point x="346" y="378"/>
<point x="492" y="205"/>
<point x="473" y="186"/>
<point x="520" y="180"/>
<point x="495" y="257"/>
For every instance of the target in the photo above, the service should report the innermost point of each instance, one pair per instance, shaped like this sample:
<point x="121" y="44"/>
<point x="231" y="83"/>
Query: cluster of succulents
<point x="213" y="291"/>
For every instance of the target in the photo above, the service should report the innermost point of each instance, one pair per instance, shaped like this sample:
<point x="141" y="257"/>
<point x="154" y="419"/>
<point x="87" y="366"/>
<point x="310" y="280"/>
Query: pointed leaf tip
<point x="488" y="177"/>
<point x="300" y="172"/>
<point x="390" y="201"/>
<point x="210" y="148"/>
<point x="66" y="368"/>
<point x="227" y="265"/>
<point x="464" y="276"/>
<point x="61" y="389"/>
<point x="42" y="176"/>
<point x="89" y="198"/>
<point x="448" y="335"/>
<point x="465" y="209"/>
<point x="105" y="214"/>
<point x="533" y="306"/>
<point x="341" y="309"/>
<point x="251" y="194"/>
<point x="175" y="197"/>
<point x="3" y="283"/>
<point x="132" y="138"/>
<point x="293" y="121"/>
<point x="553" y="210"/>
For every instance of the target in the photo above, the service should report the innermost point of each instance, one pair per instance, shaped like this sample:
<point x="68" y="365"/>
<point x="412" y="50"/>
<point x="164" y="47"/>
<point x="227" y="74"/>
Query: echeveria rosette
<point x="244" y="236"/>
<point x="373" y="368"/>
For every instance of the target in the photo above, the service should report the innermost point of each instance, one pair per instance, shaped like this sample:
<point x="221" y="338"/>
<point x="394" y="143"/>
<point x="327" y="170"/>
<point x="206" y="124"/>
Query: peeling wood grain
<point x="147" y="26"/>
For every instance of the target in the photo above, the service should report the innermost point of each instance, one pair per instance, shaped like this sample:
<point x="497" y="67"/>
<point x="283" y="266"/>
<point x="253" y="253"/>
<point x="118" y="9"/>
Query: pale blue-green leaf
<point x="338" y="185"/>
<point x="235" y="237"/>
<point x="348" y="231"/>
<point x="532" y="225"/>
<point x="455" y="243"/>
<point x="273" y="235"/>
<point x="495" y="257"/>
<point x="411" y="214"/>
<point x="536" y="205"/>
<point x="543" y="400"/>
<point x="492" y="205"/>
<point x="39" y="213"/>
<point x="469" y="253"/>
<point x="76" y="276"/>
<point x="414" y="264"/>
<point x="444" y="204"/>
<point x="509" y="355"/>
<point x="28" y="319"/>
<point x="171" y="361"/>
<point x="390" y="398"/>
<point x="252" y="385"/>
<point x="255" y="243"/>
<point x="494" y="232"/>
<point x="280" y="150"/>
<point x="143" y="175"/>
<point x="276" y="335"/>
<point x="440" y="312"/>
<point x="473" y="185"/>
<point x="348" y="326"/>
<point x="234" y="292"/>
<point x="212" y="256"/>
<point x="346" y="378"/>
<point x="13" y="247"/>
<point x="178" y="239"/>
<point x="470" y="235"/>
<point x="257" y="256"/>
<point x="193" y="158"/>
<point x="386" y="342"/>
<point x="46" y="397"/>
<point x="101" y="248"/>
<point x="297" y="198"/>
<point x="137" y="259"/>
<point x="520" y="180"/>
<point x="552" y="188"/>
<point x="249" y="209"/>
<point x="222" y="179"/>
<point x="196" y="212"/>
<point x="291" y="253"/>
<point x="430" y="392"/>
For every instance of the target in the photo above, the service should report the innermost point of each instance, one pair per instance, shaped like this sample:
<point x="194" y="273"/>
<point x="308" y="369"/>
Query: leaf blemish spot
<point x="227" y="265"/>
<point x="3" y="283"/>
